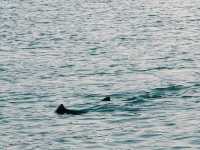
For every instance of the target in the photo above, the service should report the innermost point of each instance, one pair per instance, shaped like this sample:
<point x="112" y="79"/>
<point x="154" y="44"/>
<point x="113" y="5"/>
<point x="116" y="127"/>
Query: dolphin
<point x="62" y="110"/>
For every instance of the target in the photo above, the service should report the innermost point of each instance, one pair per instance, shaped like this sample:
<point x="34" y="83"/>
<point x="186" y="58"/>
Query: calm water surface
<point x="144" y="54"/>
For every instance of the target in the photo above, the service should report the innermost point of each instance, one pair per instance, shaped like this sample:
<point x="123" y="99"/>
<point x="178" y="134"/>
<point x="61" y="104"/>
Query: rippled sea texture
<point x="145" y="54"/>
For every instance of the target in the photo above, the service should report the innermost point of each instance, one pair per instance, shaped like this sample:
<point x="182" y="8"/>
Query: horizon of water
<point x="143" y="54"/>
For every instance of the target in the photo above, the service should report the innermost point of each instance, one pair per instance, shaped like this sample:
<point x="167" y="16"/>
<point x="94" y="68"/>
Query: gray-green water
<point x="145" y="54"/>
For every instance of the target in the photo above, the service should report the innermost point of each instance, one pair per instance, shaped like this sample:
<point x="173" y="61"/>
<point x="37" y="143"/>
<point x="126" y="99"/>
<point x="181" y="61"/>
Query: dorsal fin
<point x="61" y="109"/>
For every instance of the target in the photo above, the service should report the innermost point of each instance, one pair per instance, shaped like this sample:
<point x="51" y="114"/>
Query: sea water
<point x="144" y="54"/>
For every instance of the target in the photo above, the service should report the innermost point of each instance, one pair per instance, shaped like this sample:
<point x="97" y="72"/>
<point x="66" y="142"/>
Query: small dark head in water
<point x="106" y="99"/>
<point x="62" y="110"/>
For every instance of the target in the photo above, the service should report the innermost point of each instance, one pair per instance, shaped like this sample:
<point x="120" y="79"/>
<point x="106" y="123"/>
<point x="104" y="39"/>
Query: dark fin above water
<point x="106" y="99"/>
<point x="61" y="109"/>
